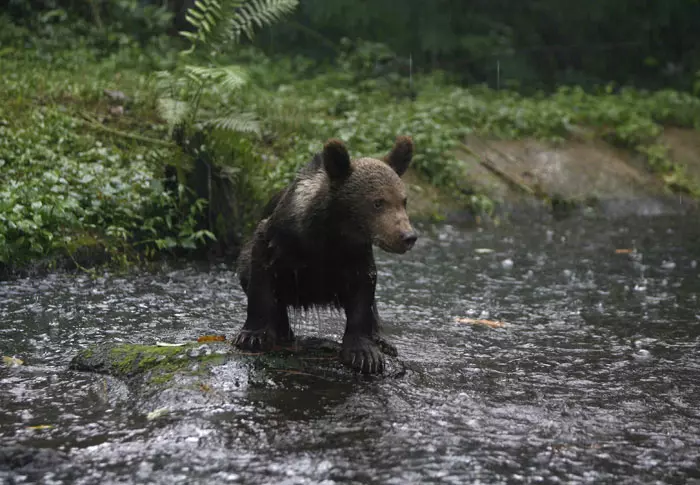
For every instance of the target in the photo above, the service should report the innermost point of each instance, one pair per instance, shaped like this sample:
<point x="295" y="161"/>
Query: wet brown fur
<point x="313" y="247"/>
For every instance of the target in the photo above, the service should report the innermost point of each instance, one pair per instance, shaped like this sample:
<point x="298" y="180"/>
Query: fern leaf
<point x="167" y="84"/>
<point x="232" y="77"/>
<point x="218" y="22"/>
<point x="173" y="111"/>
<point x="211" y="20"/>
<point x="228" y="77"/>
<point x="259" y="13"/>
<point x="236" y="122"/>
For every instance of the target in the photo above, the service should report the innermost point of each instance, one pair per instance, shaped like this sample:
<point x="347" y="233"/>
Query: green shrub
<point x="61" y="190"/>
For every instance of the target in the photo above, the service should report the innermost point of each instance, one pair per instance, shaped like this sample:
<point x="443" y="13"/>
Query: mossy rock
<point x="126" y="361"/>
<point x="311" y="355"/>
<point x="158" y="381"/>
<point x="214" y="372"/>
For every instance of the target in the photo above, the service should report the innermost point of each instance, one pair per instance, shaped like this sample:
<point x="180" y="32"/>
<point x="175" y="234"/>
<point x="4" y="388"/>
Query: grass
<point x="80" y="168"/>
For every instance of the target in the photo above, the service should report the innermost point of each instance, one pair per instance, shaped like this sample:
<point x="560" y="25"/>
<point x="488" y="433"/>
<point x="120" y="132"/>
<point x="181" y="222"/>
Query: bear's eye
<point x="405" y="202"/>
<point x="378" y="204"/>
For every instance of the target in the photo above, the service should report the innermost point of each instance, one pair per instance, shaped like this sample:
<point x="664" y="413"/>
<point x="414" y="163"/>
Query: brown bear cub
<point x="313" y="247"/>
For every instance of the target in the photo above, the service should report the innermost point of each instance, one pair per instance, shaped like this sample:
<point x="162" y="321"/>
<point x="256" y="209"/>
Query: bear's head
<point x="369" y="195"/>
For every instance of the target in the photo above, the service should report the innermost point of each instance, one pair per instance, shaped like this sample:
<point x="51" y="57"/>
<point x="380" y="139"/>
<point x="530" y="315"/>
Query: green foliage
<point x="198" y="100"/>
<point x="244" y="165"/>
<point x="53" y="29"/>
<point x="61" y="191"/>
<point x="218" y="26"/>
<point x="66" y="184"/>
<point x="300" y="113"/>
<point x="183" y="90"/>
<point x="221" y="23"/>
<point x="537" y="44"/>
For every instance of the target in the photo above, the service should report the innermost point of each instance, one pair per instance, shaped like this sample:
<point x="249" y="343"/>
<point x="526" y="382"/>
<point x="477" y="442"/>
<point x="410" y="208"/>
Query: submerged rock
<point x="215" y="373"/>
<point x="28" y="460"/>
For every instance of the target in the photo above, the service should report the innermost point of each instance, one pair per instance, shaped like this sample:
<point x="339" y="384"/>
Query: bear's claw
<point x="363" y="355"/>
<point x="255" y="340"/>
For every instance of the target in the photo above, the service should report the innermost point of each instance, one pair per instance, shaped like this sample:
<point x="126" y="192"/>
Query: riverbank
<point x="85" y="148"/>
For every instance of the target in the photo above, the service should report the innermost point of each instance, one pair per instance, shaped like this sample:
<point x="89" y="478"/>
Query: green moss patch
<point x="155" y="365"/>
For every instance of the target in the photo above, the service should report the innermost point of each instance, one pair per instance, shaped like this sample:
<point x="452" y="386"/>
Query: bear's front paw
<point x="255" y="340"/>
<point x="362" y="354"/>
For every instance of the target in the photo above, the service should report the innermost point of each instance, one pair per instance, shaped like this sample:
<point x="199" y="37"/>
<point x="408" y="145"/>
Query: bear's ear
<point x="400" y="156"/>
<point x="336" y="159"/>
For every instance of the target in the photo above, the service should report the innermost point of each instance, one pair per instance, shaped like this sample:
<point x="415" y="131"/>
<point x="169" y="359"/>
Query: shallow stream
<point x="594" y="376"/>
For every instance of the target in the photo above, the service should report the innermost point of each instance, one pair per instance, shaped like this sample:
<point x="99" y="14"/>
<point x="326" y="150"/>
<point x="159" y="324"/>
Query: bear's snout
<point x="409" y="238"/>
<point x="394" y="232"/>
<point x="400" y="241"/>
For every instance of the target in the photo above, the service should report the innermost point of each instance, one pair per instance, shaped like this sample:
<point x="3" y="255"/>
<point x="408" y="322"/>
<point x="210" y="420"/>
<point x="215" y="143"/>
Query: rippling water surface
<point x="595" y="376"/>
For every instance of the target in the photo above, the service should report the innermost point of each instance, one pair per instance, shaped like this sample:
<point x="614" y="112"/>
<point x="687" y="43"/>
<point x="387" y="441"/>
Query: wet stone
<point x="151" y="371"/>
<point x="22" y="459"/>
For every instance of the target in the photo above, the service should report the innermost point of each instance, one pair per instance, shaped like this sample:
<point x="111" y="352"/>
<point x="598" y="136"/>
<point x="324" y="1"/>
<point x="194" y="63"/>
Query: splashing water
<point x="593" y="375"/>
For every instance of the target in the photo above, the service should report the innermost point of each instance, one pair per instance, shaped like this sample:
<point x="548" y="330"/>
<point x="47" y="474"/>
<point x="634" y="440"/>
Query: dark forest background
<point x="520" y="44"/>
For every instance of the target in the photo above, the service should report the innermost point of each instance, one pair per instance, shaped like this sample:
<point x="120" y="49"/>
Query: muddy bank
<point x="584" y="174"/>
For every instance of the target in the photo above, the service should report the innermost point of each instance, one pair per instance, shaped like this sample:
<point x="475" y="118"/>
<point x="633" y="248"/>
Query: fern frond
<point x="232" y="77"/>
<point x="211" y="20"/>
<point x="163" y="80"/>
<point x="168" y="84"/>
<point x="228" y="77"/>
<point x="173" y="111"/>
<point x="218" y="22"/>
<point x="235" y="121"/>
<point x="259" y="13"/>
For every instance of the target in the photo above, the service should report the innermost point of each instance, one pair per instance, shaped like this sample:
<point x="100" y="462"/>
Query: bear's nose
<point x="409" y="238"/>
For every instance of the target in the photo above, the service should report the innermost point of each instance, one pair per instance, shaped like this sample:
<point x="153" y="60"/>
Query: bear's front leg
<point x="267" y="322"/>
<point x="262" y="333"/>
<point x="362" y="343"/>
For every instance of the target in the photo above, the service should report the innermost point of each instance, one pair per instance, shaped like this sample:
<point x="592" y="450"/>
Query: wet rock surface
<point x="168" y="377"/>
